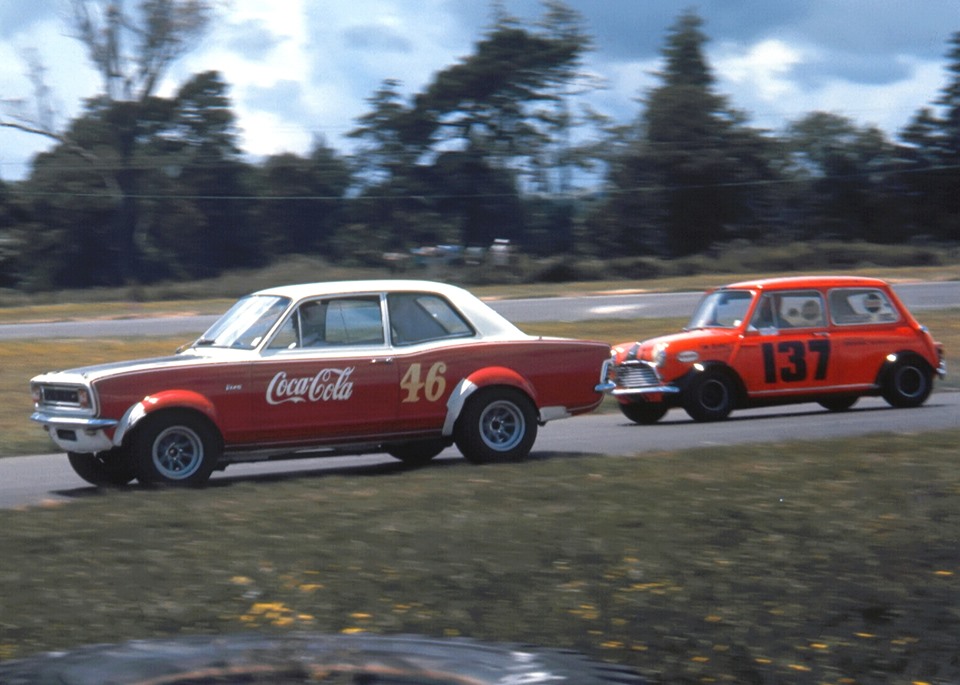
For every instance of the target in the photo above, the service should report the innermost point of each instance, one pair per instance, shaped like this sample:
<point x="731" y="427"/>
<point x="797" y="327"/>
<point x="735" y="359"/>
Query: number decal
<point x="796" y="357"/>
<point x="432" y="387"/>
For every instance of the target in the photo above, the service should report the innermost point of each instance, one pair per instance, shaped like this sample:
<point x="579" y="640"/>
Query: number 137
<point x="795" y="355"/>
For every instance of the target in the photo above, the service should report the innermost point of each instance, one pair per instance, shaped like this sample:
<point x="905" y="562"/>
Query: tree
<point x="693" y="171"/>
<point x="933" y="156"/>
<point x="301" y="199"/>
<point x="844" y="175"/>
<point x="131" y="50"/>
<point x="486" y="118"/>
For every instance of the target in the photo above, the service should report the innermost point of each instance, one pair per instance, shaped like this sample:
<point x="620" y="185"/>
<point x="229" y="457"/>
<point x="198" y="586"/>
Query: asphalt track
<point x="917" y="296"/>
<point x="34" y="480"/>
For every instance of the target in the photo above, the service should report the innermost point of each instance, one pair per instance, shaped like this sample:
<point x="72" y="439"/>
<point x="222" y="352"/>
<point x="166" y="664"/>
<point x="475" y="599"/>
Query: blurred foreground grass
<point x="826" y="562"/>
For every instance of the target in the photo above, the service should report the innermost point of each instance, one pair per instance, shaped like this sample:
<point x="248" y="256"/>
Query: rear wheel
<point x="497" y="424"/>
<point x="644" y="413"/>
<point x="111" y="468"/>
<point x="907" y="383"/>
<point x="175" y="448"/>
<point x="709" y="396"/>
<point x="838" y="403"/>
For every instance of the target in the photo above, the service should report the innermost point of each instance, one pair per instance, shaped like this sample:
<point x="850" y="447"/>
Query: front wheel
<point x="709" y="396"/>
<point x="103" y="469"/>
<point x="644" y="413"/>
<point x="907" y="383"/>
<point x="497" y="424"/>
<point x="416" y="453"/>
<point x="175" y="448"/>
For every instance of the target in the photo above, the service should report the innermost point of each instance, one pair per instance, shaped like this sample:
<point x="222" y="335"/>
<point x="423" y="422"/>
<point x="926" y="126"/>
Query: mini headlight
<point x="660" y="354"/>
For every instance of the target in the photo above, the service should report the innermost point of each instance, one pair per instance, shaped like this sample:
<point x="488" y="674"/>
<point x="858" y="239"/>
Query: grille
<point x="636" y="375"/>
<point x="55" y="395"/>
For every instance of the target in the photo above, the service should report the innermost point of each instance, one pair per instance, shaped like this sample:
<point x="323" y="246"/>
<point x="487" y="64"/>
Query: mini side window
<point x="851" y="306"/>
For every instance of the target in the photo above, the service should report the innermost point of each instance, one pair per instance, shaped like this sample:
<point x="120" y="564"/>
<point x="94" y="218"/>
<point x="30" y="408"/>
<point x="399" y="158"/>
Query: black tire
<point x="709" y="396"/>
<point x="497" y="424"/>
<point x="644" y="413"/>
<point x="175" y="448"/>
<point x="416" y="453"/>
<point x="306" y="658"/>
<point x="103" y="469"/>
<point x="838" y="403"/>
<point x="907" y="383"/>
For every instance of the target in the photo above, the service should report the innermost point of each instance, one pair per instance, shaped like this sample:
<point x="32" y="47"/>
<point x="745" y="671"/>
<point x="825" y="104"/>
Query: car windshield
<point x="721" y="309"/>
<point x="245" y="323"/>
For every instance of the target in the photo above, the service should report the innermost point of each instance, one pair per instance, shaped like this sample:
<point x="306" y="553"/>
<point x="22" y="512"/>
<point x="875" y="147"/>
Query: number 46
<point x="432" y="387"/>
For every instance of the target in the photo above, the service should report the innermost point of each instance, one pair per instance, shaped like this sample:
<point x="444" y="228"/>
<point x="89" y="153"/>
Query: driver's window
<point x="320" y="323"/>
<point x="794" y="309"/>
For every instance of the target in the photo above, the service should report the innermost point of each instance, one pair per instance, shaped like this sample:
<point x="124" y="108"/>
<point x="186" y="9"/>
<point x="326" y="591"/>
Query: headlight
<point x="660" y="354"/>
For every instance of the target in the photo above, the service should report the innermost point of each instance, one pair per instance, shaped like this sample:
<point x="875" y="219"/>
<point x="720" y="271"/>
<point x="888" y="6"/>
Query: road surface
<point x="917" y="296"/>
<point x="33" y="480"/>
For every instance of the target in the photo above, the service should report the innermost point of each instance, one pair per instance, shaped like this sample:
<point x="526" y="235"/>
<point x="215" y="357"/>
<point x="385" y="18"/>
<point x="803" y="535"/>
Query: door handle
<point x="382" y="360"/>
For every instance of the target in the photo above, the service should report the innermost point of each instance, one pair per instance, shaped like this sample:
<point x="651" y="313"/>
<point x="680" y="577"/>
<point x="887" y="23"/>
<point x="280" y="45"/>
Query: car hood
<point x="98" y="371"/>
<point x="692" y="339"/>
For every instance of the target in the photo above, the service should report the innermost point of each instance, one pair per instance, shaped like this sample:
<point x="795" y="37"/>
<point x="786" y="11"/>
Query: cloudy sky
<point x="301" y="68"/>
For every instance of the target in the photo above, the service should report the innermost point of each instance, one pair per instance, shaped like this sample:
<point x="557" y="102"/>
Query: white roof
<point x="487" y="321"/>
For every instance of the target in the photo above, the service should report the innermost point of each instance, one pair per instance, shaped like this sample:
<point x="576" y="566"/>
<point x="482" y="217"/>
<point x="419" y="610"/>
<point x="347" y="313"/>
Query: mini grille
<point x="61" y="396"/>
<point x="637" y="375"/>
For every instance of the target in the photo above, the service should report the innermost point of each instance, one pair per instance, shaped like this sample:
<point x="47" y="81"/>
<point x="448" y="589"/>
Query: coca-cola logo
<point x="329" y="385"/>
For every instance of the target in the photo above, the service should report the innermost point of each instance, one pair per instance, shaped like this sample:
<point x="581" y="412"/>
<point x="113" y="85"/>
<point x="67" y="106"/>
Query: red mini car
<point x="787" y="340"/>
<point x="403" y="367"/>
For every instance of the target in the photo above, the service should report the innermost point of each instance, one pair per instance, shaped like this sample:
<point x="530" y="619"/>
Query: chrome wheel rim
<point x="177" y="453"/>
<point x="502" y="426"/>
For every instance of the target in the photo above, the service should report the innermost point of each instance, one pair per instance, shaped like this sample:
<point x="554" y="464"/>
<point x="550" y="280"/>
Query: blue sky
<point x="302" y="68"/>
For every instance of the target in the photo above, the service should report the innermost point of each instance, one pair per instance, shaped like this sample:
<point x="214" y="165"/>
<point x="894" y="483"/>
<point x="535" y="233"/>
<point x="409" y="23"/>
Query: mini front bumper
<point x="77" y="433"/>
<point x="613" y="387"/>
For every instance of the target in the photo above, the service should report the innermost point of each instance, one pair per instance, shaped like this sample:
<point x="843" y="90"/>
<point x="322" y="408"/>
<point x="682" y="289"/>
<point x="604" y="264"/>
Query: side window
<point x="851" y="306"/>
<point x="792" y="309"/>
<point x="353" y="321"/>
<point x="419" y="317"/>
<point x="346" y="321"/>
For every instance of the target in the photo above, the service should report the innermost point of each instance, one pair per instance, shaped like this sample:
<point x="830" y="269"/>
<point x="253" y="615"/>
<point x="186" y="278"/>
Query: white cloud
<point x="763" y="69"/>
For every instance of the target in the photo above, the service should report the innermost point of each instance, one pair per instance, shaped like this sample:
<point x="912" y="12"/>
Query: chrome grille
<point x="51" y="394"/>
<point x="636" y="375"/>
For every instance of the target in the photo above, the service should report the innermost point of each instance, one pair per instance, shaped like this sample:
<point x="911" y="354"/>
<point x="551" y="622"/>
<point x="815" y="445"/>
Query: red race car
<point x="779" y="341"/>
<point x="403" y="367"/>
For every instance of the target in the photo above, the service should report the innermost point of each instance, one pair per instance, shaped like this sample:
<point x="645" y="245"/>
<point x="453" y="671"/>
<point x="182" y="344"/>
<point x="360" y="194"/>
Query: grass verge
<point x="828" y="562"/>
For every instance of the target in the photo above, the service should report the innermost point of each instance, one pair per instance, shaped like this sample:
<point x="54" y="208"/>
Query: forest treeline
<point x="141" y="188"/>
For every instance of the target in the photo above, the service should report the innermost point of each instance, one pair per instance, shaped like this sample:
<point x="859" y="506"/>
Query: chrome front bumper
<point x="615" y="388"/>
<point x="77" y="433"/>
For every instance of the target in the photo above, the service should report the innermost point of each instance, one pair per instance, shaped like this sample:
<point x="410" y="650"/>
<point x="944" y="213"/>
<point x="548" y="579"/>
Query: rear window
<point x="421" y="317"/>
<point x="852" y="306"/>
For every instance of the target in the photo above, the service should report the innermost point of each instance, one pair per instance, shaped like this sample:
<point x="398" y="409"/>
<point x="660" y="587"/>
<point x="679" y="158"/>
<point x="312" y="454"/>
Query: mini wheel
<point x="709" y="396"/>
<point x="497" y="424"/>
<point x="644" y="413"/>
<point x="175" y="448"/>
<point x="838" y="403"/>
<point x="907" y="383"/>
